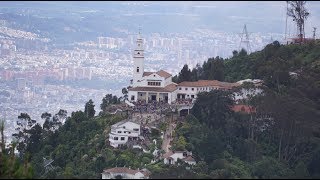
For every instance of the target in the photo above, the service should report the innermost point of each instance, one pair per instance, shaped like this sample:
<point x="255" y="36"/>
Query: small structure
<point x="245" y="93"/>
<point x="172" y="157"/>
<point x="125" y="173"/>
<point x="122" y="131"/>
<point x="189" y="160"/>
<point x="243" y="109"/>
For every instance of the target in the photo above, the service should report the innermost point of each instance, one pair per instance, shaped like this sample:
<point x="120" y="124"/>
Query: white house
<point x="122" y="131"/>
<point x="245" y="93"/>
<point x="172" y="157"/>
<point x="125" y="173"/>
<point x="189" y="90"/>
<point x="149" y="86"/>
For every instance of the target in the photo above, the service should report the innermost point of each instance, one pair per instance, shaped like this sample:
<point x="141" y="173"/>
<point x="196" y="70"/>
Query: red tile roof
<point x="169" y="88"/>
<point x="161" y="73"/>
<point x="243" y="108"/>
<point x="206" y="83"/>
<point x="147" y="73"/>
<point x="164" y="74"/>
<point x="121" y="170"/>
<point x="168" y="154"/>
<point x="189" y="158"/>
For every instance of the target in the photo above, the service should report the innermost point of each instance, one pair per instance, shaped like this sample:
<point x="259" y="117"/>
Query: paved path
<point x="167" y="138"/>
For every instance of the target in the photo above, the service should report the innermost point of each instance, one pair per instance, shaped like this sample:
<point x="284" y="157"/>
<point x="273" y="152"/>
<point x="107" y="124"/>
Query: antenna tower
<point x="314" y="33"/>
<point x="246" y="40"/>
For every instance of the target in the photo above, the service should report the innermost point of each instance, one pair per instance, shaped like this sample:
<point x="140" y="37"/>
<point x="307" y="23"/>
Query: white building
<point x="158" y="86"/>
<point x="150" y="86"/>
<point x="172" y="157"/>
<point x="125" y="173"/>
<point x="122" y="131"/>
<point x="189" y="90"/>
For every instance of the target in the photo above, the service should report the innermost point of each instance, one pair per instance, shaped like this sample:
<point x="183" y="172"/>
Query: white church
<point x="158" y="86"/>
<point x="150" y="86"/>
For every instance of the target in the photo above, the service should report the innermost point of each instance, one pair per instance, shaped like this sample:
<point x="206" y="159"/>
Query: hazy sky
<point x="229" y="16"/>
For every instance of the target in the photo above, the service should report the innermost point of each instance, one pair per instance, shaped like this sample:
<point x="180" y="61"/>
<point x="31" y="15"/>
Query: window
<point x="179" y="88"/>
<point x="129" y="132"/>
<point x="154" y="75"/>
<point x="137" y="69"/>
<point x="119" y="131"/>
<point x="186" y="89"/>
<point x="115" y="138"/>
<point x="132" y="98"/>
<point x="122" y="138"/>
<point x="138" y="53"/>
<point x="154" y="83"/>
<point x="188" y="95"/>
<point x="140" y="94"/>
<point x="192" y="89"/>
<point x="192" y="96"/>
<point x="197" y="89"/>
<point x="136" y="129"/>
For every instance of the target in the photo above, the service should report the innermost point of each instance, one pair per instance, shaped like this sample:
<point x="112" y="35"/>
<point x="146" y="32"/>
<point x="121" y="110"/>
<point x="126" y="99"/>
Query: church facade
<point x="150" y="86"/>
<point x="158" y="86"/>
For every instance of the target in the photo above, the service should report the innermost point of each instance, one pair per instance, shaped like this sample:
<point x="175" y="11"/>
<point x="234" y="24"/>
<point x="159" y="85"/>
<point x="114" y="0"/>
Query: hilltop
<point x="280" y="139"/>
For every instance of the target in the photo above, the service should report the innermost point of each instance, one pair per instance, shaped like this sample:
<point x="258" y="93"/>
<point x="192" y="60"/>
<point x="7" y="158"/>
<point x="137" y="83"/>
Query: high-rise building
<point x="21" y="83"/>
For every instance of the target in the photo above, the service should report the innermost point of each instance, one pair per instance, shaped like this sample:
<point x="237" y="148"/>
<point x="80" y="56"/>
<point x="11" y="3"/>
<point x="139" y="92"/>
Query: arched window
<point x="138" y="53"/>
<point x="137" y="69"/>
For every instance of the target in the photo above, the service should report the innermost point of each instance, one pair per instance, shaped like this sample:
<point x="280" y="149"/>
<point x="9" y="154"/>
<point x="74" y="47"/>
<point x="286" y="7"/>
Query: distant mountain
<point x="66" y="22"/>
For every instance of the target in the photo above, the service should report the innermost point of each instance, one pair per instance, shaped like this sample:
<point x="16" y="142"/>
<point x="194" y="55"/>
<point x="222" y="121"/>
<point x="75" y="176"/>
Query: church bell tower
<point x="138" y="60"/>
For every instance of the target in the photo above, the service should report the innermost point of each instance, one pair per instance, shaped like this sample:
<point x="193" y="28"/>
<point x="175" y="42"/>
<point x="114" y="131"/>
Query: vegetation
<point x="10" y="165"/>
<point x="280" y="139"/>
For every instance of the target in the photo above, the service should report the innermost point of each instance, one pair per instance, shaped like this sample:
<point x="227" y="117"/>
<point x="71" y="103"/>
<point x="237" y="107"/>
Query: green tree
<point x="10" y="166"/>
<point x="213" y="107"/>
<point x="125" y="93"/>
<point x="89" y="109"/>
<point x="34" y="140"/>
<point x="185" y="74"/>
<point x="106" y="101"/>
<point x="22" y="136"/>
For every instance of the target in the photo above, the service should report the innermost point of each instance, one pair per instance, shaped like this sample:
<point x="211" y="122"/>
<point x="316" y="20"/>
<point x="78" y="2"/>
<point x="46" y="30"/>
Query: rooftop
<point x="126" y="170"/>
<point x="161" y="73"/>
<point x="121" y="170"/>
<point x="189" y="158"/>
<point x="204" y="83"/>
<point x="169" y="88"/>
<point x="243" y="108"/>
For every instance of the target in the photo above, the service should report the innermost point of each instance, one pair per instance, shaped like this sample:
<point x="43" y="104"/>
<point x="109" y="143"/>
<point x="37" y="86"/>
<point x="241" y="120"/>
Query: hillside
<point x="280" y="139"/>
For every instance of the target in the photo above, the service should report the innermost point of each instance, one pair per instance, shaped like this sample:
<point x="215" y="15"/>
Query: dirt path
<point x="167" y="138"/>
